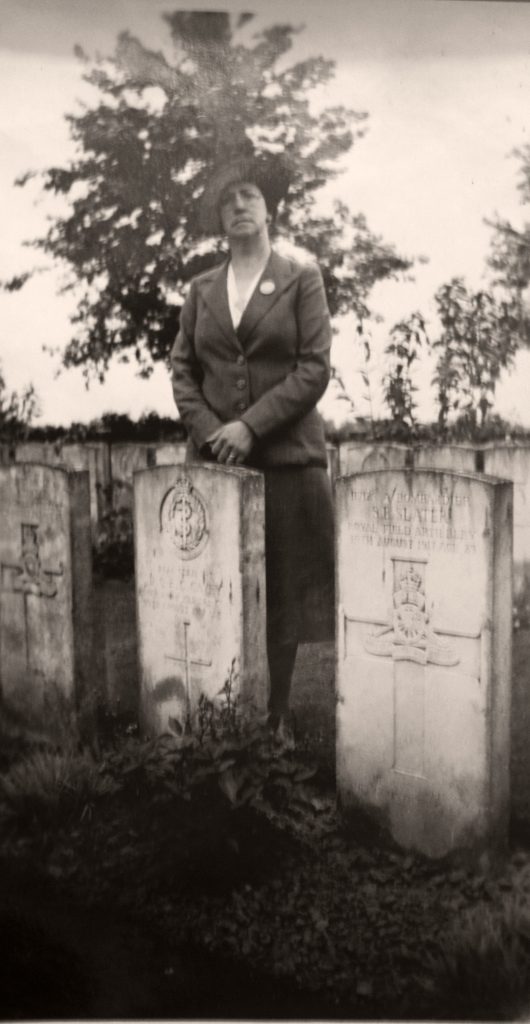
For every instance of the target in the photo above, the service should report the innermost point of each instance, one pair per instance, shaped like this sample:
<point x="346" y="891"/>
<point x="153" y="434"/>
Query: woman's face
<point x="243" y="210"/>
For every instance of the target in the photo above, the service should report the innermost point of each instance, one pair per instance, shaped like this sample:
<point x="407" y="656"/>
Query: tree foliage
<point x="509" y="256"/>
<point x="131" y="239"/>
<point x="17" y="410"/>
<point x="407" y="339"/>
<point x="479" y="338"/>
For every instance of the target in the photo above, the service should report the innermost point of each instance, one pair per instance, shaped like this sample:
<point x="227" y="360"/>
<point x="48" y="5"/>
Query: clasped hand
<point x="232" y="442"/>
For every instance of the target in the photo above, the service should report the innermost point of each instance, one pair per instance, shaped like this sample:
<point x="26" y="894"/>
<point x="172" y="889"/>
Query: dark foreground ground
<point x="137" y="904"/>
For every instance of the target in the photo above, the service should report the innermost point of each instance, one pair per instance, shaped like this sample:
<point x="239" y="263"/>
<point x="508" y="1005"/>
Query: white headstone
<point x="424" y="654"/>
<point x="7" y="453"/>
<point x="332" y="452"/>
<point x="457" y="458"/>
<point x="361" y="456"/>
<point x="512" y="462"/>
<point x="125" y="460"/>
<point x="45" y="594"/>
<point x="93" y="457"/>
<point x="173" y="454"/>
<point x="200" y="578"/>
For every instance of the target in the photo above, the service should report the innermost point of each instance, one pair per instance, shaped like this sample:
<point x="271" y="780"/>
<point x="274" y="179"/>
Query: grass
<point x="49" y="787"/>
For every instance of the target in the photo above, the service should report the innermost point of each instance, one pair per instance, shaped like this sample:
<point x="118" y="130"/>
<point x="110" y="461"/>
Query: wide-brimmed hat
<point x="271" y="172"/>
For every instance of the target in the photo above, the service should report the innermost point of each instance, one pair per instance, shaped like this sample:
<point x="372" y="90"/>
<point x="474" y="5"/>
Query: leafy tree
<point x="131" y="239"/>
<point x="510" y="250"/>
<point x="479" y="338"/>
<point x="17" y="410"/>
<point x="407" y="338"/>
<point x="509" y="256"/>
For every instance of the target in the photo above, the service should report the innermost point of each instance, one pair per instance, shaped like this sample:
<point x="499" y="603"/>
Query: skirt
<point x="299" y="554"/>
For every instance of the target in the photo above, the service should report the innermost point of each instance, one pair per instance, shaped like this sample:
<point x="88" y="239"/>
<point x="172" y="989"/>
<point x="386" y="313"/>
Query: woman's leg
<point x="281" y="665"/>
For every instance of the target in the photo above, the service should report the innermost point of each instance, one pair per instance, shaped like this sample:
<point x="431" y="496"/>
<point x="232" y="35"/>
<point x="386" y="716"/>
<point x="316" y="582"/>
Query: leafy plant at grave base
<point x="408" y="337"/>
<point x="113" y="547"/>
<point x="482" y="970"/>
<point x="221" y="756"/>
<point x="480" y="336"/>
<point x="49" y="787"/>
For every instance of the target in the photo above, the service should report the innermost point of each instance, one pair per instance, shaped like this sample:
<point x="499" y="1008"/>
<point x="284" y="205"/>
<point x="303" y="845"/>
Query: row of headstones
<point x="111" y="468"/>
<point x="424" y="590"/>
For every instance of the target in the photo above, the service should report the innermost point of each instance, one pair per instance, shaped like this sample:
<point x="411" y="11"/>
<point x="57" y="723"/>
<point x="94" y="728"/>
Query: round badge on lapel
<point x="267" y="287"/>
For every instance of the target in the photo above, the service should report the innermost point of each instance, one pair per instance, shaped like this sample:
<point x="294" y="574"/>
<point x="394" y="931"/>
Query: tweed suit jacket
<point x="270" y="372"/>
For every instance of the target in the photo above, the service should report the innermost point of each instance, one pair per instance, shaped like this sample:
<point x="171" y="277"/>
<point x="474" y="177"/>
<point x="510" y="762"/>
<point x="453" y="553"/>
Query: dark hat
<point x="271" y="172"/>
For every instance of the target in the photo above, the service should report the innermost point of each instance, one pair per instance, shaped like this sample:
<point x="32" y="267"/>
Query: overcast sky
<point x="446" y="85"/>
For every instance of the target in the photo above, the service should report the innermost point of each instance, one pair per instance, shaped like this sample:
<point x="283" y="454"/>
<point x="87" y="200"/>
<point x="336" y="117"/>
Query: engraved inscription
<point x="420" y="522"/>
<point x="183" y="516"/>
<point x="410" y="636"/>
<point x="29" y="578"/>
<point x="188" y="661"/>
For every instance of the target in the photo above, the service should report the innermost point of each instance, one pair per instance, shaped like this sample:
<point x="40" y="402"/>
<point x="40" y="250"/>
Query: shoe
<point x="282" y="730"/>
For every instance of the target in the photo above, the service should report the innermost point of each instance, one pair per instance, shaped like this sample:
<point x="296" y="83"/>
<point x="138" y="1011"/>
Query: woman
<point x="250" y="362"/>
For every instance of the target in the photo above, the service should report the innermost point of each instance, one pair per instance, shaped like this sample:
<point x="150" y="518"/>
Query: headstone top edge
<point x="485" y="478"/>
<point x="240" y="472"/>
<point x="509" y="446"/>
<point x="370" y="443"/>
<point x="64" y="470"/>
<point x="468" y="446"/>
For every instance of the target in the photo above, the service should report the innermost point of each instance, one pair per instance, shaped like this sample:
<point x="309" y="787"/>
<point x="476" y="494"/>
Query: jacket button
<point x="241" y="384"/>
<point x="240" y="360"/>
<point x="241" y="406"/>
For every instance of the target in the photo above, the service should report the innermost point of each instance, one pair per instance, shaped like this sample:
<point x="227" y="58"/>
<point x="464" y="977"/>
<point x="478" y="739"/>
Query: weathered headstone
<point x="332" y="452"/>
<point x="45" y="595"/>
<point x="457" y="458"/>
<point x="91" y="456"/>
<point x="170" y="454"/>
<point x="7" y="453"/>
<point x="424" y="654"/>
<point x="512" y="462"/>
<point x="200" y="578"/>
<point x="125" y="460"/>
<point x="361" y="456"/>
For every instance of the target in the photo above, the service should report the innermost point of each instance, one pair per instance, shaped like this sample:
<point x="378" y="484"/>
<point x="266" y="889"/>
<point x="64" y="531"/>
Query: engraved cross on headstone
<point x="410" y="640"/>
<point x="188" y="661"/>
<point x="28" y="577"/>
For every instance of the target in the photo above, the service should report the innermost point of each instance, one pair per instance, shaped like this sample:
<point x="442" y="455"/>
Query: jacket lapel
<point x="215" y="295"/>
<point x="276" y="277"/>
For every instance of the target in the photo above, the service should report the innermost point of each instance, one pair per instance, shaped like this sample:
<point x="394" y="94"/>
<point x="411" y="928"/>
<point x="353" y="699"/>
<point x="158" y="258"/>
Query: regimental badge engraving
<point x="183" y="516"/>
<point x="410" y="635"/>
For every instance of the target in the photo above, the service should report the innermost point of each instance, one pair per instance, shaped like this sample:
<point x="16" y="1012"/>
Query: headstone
<point x="45" y="595"/>
<point x="200" y="578"/>
<point x="424" y="654"/>
<point x="512" y="462"/>
<point x="360" y="456"/>
<point x="457" y="458"/>
<point x="93" y="457"/>
<point x="125" y="460"/>
<point x="332" y="452"/>
<point x="170" y="454"/>
<point x="6" y="453"/>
